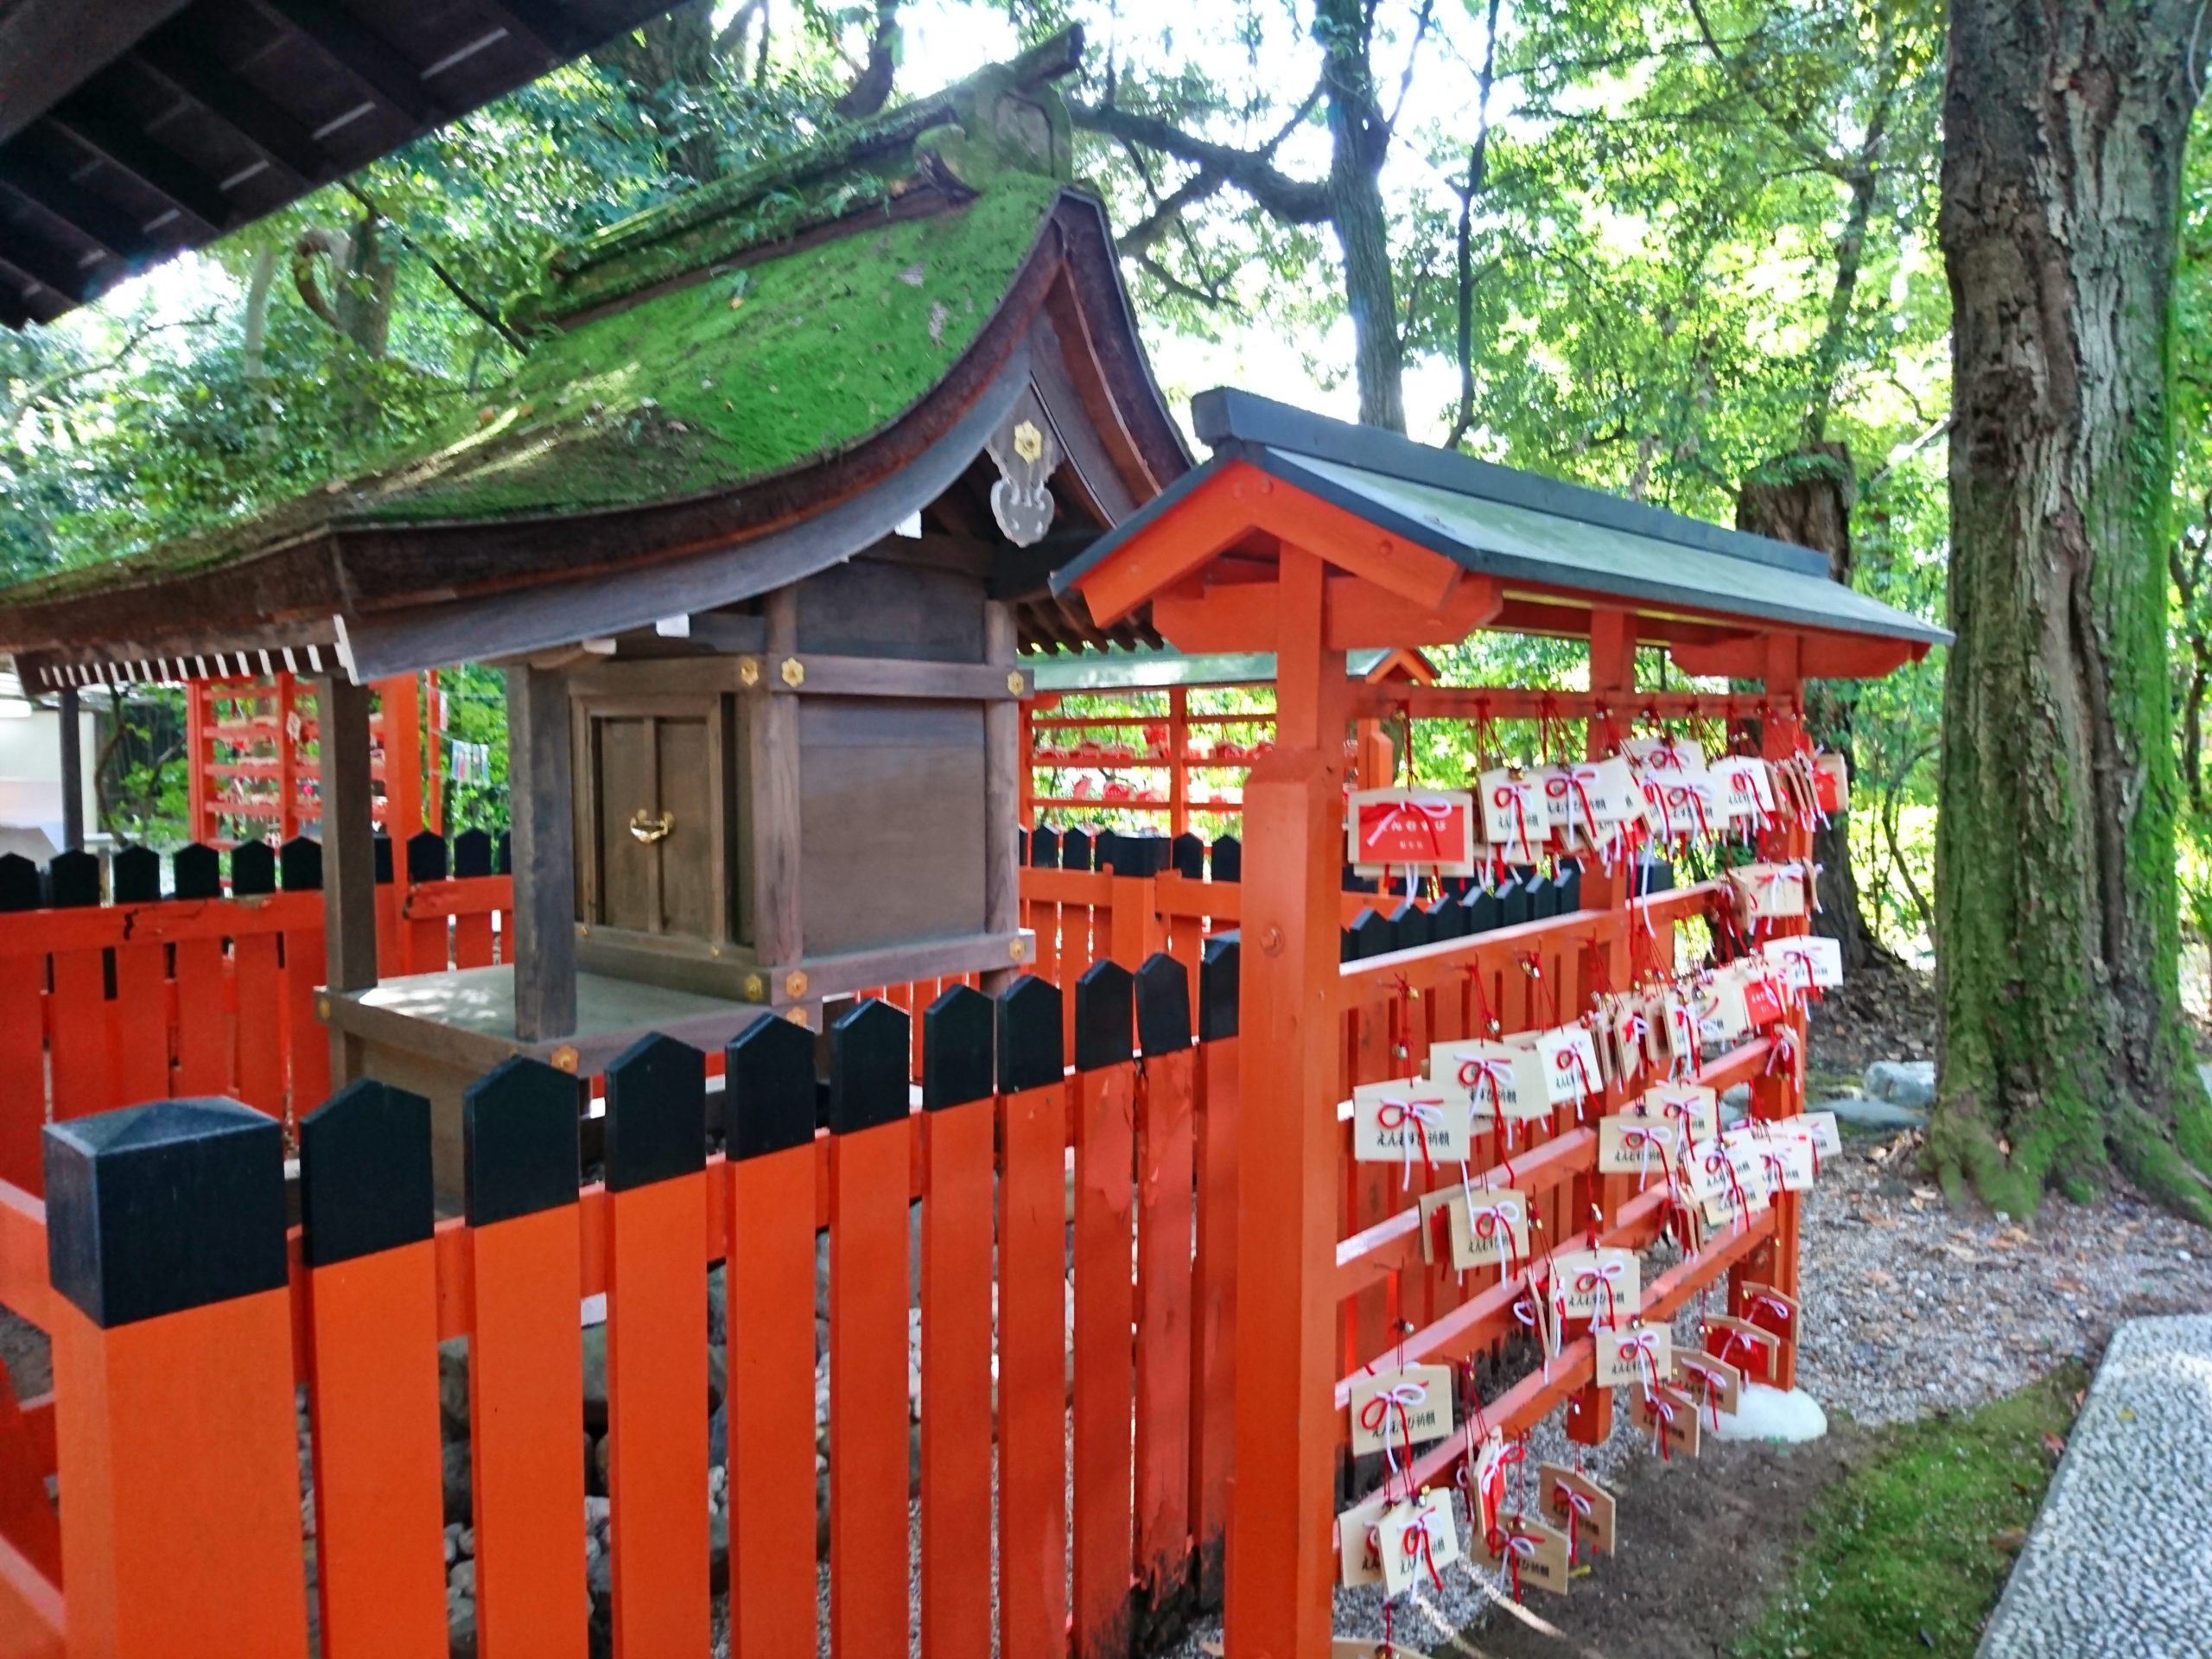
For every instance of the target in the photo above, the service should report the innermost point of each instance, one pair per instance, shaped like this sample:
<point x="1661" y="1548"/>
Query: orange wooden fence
<point x="172" y="1419"/>
<point x="203" y="985"/>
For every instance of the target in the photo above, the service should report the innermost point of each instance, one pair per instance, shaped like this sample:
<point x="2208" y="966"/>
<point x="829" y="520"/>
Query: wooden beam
<point x="349" y="873"/>
<point x="771" y="749"/>
<point x="45" y="265"/>
<point x="1612" y="650"/>
<point x="239" y="104"/>
<point x="1280" y="1568"/>
<point x="72" y="773"/>
<point x="110" y="227"/>
<point x="541" y="793"/>
<point x="541" y="27"/>
<point x="1003" y="773"/>
<point x="49" y="47"/>
<point x="380" y="68"/>
<point x="1242" y="616"/>
<point x="1821" y="655"/>
<point x="93" y="121"/>
<point x="1179" y="542"/>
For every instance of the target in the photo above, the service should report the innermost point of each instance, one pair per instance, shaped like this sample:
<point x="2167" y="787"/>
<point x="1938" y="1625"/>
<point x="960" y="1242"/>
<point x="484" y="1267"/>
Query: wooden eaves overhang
<point x="132" y="129"/>
<point x="449" y="557"/>
<point x="1425" y="547"/>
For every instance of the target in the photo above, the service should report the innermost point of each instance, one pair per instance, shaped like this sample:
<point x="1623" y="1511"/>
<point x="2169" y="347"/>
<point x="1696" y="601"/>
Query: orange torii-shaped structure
<point x="1307" y="538"/>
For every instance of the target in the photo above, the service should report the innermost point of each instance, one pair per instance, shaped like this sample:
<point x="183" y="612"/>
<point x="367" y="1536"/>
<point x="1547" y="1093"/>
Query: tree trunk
<point x="1805" y="498"/>
<point x="2055" y="891"/>
<point x="1359" y="138"/>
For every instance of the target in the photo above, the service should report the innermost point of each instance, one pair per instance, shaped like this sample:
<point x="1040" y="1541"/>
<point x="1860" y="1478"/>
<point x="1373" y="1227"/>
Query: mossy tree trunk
<point x="1359" y="141"/>
<point x="2055" y="896"/>
<point x="1805" y="498"/>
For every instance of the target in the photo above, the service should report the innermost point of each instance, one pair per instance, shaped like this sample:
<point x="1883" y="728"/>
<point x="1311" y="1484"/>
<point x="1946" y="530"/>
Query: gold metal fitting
<point x="322" y="1008"/>
<point x="795" y="983"/>
<point x="1014" y="683"/>
<point x="794" y="671"/>
<point x="749" y="671"/>
<point x="564" y="1058"/>
<point x="1016" y="951"/>
<point x="756" y="988"/>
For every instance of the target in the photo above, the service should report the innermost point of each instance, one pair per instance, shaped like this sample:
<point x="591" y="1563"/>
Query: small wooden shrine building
<point x="757" y="532"/>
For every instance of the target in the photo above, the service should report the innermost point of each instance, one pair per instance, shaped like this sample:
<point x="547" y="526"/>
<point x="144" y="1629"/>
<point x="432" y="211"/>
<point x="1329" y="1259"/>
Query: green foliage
<point x="1909" y="1552"/>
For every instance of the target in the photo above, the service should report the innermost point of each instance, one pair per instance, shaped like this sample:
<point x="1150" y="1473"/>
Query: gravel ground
<point x="1909" y="1309"/>
<point x="2121" y="1560"/>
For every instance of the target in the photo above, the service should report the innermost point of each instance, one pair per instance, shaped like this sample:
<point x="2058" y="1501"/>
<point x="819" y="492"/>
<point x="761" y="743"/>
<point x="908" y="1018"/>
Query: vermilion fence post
<point x="870" y="1160"/>
<point x="426" y="935"/>
<point x="656" y="1362"/>
<point x="255" y="967"/>
<point x="1165" y="1195"/>
<point x="83" y="1039"/>
<point x="525" y="1361"/>
<point x="1033" y="1315"/>
<point x="142" y="1032"/>
<point x="22" y="1028"/>
<point x="306" y="1041"/>
<point x="472" y="930"/>
<point x="768" y="1108"/>
<point x="1105" y="1152"/>
<point x="1213" y="1378"/>
<point x="175" y="1434"/>
<point x="203" y="1040"/>
<point x="366" y="1210"/>
<point x="956" y="1178"/>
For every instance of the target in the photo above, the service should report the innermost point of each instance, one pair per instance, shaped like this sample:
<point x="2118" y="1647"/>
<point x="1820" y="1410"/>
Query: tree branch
<point x="1748" y="84"/>
<point x="1295" y="201"/>
<point x="1477" y="174"/>
<point x="1413" y="56"/>
<point x="483" y="311"/>
<point x="41" y="390"/>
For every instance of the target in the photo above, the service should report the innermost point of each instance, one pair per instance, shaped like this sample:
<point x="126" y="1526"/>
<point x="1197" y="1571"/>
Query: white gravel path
<point x="2120" y="1563"/>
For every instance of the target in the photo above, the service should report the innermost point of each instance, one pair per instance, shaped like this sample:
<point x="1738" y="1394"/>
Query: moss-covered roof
<point x="781" y="319"/>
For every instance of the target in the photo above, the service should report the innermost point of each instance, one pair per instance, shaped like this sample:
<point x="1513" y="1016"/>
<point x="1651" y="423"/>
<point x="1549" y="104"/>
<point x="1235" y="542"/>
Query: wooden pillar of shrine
<point x="1280" y="1566"/>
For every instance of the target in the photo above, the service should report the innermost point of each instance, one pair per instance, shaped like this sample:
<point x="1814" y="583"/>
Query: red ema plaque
<point x="1426" y="829"/>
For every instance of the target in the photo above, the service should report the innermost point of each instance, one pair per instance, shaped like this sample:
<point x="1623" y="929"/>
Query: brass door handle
<point x="645" y="828"/>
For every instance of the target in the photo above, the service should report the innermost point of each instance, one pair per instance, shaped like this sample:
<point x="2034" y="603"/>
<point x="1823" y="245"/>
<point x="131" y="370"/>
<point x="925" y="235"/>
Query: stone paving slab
<point x="2120" y="1563"/>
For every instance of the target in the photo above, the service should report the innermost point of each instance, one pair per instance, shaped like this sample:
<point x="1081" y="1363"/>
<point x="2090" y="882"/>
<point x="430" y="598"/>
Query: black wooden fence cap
<point x="956" y="1048"/>
<point x="73" y="880"/>
<point x="1030" y="1051"/>
<point x="1218" y="976"/>
<point x="1044" y="847"/>
<point x="1190" y="856"/>
<point x="867" y="1068"/>
<point x="1075" y="850"/>
<point x="472" y="854"/>
<point x="365" y="1183"/>
<point x="20" y="888"/>
<point x="655" y="1112"/>
<point x="196" y="871"/>
<point x="381" y="857"/>
<point x="519" y="1134"/>
<point x="135" y="875"/>
<point x="165" y="1207"/>
<point x="768" y="1101"/>
<point x="253" y="868"/>
<point x="1163" y="994"/>
<point x="1228" y="859"/>
<point x="1409" y="926"/>
<point x="300" y="861"/>
<point x="426" y="856"/>
<point x="1372" y="935"/>
<point x="1103" y="1010"/>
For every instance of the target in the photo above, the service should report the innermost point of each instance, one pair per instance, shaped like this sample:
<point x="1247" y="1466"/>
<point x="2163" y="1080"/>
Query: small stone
<point x="462" y="1578"/>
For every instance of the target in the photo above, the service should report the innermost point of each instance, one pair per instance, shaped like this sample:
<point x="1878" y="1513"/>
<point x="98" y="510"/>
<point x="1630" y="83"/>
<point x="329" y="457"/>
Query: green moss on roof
<point x="739" y="375"/>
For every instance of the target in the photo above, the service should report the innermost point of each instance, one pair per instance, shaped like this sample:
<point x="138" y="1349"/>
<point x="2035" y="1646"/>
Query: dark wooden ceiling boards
<point x="131" y="130"/>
